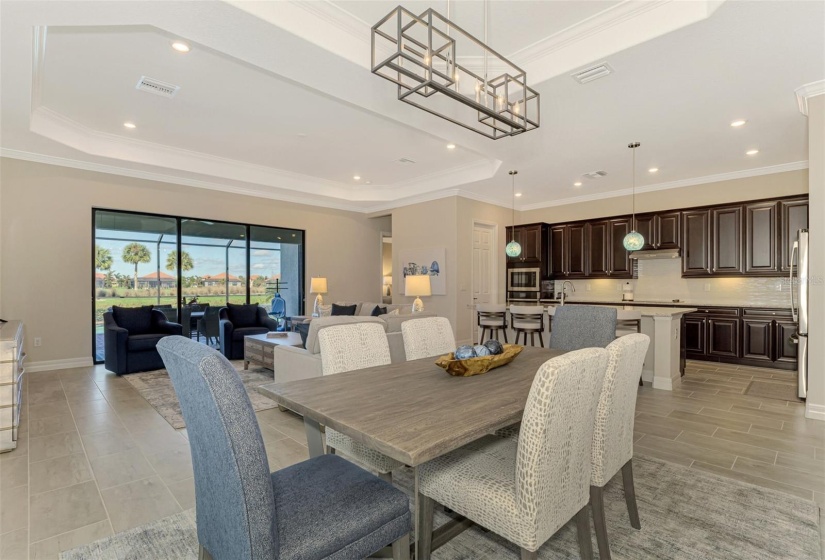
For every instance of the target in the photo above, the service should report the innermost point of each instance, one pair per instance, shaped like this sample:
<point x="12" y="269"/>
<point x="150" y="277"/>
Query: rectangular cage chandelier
<point x="447" y="72"/>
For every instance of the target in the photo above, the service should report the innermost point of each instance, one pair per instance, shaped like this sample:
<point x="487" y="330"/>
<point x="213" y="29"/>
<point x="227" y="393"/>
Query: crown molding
<point x="803" y="93"/>
<point x="743" y="174"/>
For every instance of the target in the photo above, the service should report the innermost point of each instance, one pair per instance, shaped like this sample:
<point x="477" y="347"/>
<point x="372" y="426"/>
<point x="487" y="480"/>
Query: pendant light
<point x="513" y="248"/>
<point x="634" y="240"/>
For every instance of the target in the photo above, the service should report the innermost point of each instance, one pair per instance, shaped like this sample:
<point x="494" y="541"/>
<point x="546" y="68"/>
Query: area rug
<point x="773" y="390"/>
<point x="685" y="514"/>
<point x="157" y="389"/>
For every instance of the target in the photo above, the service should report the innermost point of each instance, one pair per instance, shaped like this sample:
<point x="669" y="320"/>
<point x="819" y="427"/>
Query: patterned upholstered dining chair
<point x="582" y="326"/>
<point x="325" y="507"/>
<point x="525" y="490"/>
<point x="613" y="434"/>
<point x="346" y="348"/>
<point x="427" y="337"/>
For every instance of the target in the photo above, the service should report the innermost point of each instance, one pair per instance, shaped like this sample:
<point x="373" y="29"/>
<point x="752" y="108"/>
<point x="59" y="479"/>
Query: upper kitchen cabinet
<point x="761" y="231"/>
<point x="660" y="230"/>
<point x="696" y="243"/>
<point x="531" y="237"/>
<point x="598" y="265"/>
<point x="558" y="251"/>
<point x="568" y="251"/>
<point x="645" y="224"/>
<point x="793" y="216"/>
<point x="726" y="240"/>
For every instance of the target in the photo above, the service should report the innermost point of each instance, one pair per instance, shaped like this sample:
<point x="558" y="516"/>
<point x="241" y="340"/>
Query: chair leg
<point x="425" y="526"/>
<point x="529" y="554"/>
<point x="583" y="530"/>
<point x="401" y="548"/>
<point x="532" y="339"/>
<point x="599" y="522"/>
<point x="630" y="495"/>
<point x="504" y="330"/>
<point x="541" y="340"/>
<point x="203" y="554"/>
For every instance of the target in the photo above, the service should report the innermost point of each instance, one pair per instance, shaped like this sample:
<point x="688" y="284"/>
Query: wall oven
<point x="524" y="279"/>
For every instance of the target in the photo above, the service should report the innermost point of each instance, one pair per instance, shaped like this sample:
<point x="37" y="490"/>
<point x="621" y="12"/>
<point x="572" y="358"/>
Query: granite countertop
<point x="648" y="311"/>
<point x="680" y="303"/>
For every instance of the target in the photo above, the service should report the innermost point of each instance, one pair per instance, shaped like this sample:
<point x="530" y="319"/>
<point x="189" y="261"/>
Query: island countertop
<point x="648" y="311"/>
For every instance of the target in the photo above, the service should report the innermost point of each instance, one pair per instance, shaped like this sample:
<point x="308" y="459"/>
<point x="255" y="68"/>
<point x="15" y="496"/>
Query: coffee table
<point x="258" y="348"/>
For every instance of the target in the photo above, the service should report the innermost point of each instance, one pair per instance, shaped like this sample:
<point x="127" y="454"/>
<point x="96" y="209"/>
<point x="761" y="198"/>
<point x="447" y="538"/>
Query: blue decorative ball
<point x="465" y="352"/>
<point x="481" y="350"/>
<point x="494" y="346"/>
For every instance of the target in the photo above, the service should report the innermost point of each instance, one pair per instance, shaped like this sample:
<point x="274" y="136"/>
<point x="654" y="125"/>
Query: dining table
<point x="412" y="411"/>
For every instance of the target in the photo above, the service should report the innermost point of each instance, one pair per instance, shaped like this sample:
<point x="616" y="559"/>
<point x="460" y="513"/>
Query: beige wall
<point x="46" y="231"/>
<point x="816" y="275"/>
<point x="750" y="188"/>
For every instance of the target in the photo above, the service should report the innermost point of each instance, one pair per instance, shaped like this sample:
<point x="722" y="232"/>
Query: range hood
<point x="655" y="254"/>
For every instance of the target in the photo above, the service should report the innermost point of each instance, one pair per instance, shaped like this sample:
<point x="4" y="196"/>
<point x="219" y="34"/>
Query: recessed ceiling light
<point x="518" y="194"/>
<point x="368" y="182"/>
<point x="738" y="123"/>
<point x="181" y="47"/>
<point x="356" y="177"/>
<point x="130" y="125"/>
<point x="451" y="146"/>
<point x="653" y="170"/>
<point x="577" y="184"/>
<point x="752" y="152"/>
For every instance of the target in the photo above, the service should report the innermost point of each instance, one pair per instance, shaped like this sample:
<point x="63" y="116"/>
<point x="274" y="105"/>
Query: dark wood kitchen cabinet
<point x="558" y="251"/>
<point x="577" y="251"/>
<point x="694" y="335"/>
<point x="785" y="350"/>
<point x="530" y="237"/>
<point x="696" y="241"/>
<point x="660" y="230"/>
<point x="723" y="336"/>
<point x="757" y="339"/>
<point x="726" y="240"/>
<point x="598" y="235"/>
<point x="712" y="333"/>
<point x="793" y="216"/>
<point x="761" y="231"/>
<point x="619" y="264"/>
<point x="645" y="224"/>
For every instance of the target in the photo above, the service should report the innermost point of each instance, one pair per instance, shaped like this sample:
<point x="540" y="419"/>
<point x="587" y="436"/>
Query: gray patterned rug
<point x="686" y="514"/>
<point x="157" y="389"/>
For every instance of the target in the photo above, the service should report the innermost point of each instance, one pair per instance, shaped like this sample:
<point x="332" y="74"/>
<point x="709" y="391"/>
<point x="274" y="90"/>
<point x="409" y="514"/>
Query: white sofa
<point x="291" y="363"/>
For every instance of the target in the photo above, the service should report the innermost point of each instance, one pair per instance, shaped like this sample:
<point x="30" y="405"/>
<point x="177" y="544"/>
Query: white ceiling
<point x="277" y="99"/>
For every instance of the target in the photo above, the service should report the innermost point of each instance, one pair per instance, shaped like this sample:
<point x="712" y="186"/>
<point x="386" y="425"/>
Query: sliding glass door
<point x="170" y="262"/>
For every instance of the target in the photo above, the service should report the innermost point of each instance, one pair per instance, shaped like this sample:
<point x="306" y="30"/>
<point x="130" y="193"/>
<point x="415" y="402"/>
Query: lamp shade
<point x="418" y="285"/>
<point x="387" y="280"/>
<point x="318" y="286"/>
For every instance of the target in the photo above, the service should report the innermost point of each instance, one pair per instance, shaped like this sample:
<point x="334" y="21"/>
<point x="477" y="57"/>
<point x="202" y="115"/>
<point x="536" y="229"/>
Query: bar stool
<point x="528" y="319"/>
<point x="492" y="318"/>
<point x="627" y="320"/>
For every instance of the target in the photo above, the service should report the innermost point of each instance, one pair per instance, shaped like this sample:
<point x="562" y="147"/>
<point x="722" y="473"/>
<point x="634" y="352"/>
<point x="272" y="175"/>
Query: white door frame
<point x="493" y="227"/>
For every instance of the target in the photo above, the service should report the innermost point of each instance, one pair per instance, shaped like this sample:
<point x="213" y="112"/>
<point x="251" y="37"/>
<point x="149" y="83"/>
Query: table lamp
<point x="387" y="285"/>
<point x="417" y="286"/>
<point x="318" y="286"/>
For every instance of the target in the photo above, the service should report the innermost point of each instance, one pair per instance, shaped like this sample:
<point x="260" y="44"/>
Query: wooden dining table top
<point x="415" y="411"/>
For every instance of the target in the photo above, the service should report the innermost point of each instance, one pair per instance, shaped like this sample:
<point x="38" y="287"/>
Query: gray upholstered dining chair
<point x="613" y="434"/>
<point x="325" y="507"/>
<point x="528" y="319"/>
<point x="491" y="318"/>
<point x="525" y="490"/>
<point x="582" y="326"/>
<point x="427" y="337"/>
<point x="346" y="348"/>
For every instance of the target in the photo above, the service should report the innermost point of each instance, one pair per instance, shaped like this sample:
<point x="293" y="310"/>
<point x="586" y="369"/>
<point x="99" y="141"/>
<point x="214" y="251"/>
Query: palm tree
<point x="186" y="262"/>
<point x="103" y="258"/>
<point x="136" y="253"/>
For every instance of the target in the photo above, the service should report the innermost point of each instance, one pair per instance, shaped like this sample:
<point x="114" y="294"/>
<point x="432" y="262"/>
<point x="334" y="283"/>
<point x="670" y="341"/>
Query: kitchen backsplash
<point x="661" y="280"/>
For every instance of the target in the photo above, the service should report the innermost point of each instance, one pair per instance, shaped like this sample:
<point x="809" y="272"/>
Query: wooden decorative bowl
<point x="477" y="366"/>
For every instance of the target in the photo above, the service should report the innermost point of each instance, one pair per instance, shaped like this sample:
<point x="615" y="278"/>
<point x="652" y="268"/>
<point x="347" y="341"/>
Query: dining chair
<point x="325" y="507"/>
<point x="186" y="320"/>
<point x="613" y="433"/>
<point x="528" y="319"/>
<point x="209" y="325"/>
<point x="525" y="490"/>
<point x="427" y="337"/>
<point x="582" y="326"/>
<point x="347" y="348"/>
<point x="491" y="318"/>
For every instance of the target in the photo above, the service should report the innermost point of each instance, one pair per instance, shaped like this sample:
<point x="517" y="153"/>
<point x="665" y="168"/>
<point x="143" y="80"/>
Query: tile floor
<point x="95" y="458"/>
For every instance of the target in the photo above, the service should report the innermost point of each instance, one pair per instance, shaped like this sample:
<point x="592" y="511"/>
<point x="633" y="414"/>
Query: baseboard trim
<point x="815" y="411"/>
<point x="49" y="365"/>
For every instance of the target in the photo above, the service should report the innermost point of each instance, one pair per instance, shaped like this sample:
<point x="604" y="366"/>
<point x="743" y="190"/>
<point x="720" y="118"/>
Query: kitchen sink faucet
<point x="564" y="288"/>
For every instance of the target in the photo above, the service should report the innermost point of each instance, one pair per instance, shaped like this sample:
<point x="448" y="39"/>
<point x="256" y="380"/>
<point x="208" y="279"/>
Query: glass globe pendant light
<point x="513" y="248"/>
<point x="634" y="240"/>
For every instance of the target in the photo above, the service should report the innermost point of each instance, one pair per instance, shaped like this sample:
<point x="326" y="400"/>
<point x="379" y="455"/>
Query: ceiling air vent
<point x="595" y="174"/>
<point x="592" y="73"/>
<point x="405" y="161"/>
<point x="157" y="87"/>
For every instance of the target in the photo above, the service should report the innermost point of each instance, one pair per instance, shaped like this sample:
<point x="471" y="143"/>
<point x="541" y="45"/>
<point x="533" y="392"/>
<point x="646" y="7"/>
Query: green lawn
<point x="102" y="304"/>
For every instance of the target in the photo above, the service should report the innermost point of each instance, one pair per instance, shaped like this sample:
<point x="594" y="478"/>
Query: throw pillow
<point x="324" y="310"/>
<point x="343" y="309"/>
<point x="242" y="316"/>
<point x="378" y="311"/>
<point x="136" y="320"/>
<point x="303" y="330"/>
<point x="395" y="312"/>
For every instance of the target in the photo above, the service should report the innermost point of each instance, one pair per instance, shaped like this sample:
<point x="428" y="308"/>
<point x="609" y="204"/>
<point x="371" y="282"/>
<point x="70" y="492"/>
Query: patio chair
<point x="209" y="324"/>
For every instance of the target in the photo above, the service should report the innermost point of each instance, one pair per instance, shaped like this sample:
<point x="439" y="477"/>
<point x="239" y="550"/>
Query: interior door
<point x="482" y="270"/>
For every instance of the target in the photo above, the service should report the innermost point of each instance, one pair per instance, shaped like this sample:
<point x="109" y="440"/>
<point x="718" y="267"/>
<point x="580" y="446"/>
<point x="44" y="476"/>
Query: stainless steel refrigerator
<point x="799" y="306"/>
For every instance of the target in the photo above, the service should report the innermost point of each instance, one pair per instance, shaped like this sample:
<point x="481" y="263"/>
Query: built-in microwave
<point x="524" y="279"/>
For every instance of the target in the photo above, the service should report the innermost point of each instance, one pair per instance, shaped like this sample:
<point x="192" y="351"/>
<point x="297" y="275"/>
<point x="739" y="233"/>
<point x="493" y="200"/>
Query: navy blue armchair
<point x="324" y="507"/>
<point x="130" y="338"/>
<point x="238" y="321"/>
